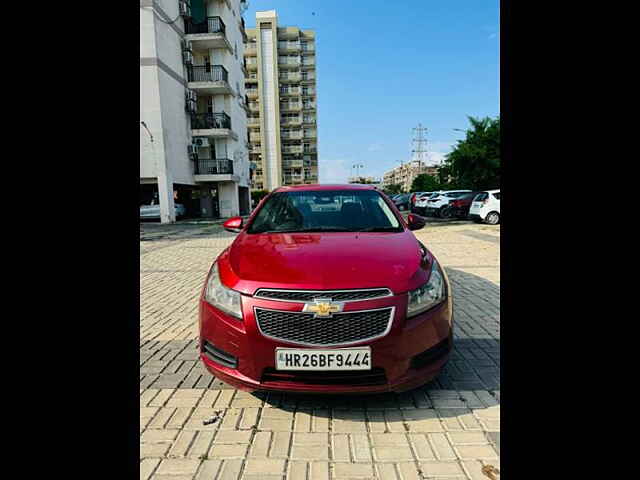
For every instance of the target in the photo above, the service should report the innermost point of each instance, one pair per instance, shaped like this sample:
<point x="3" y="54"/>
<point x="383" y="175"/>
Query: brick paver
<point x="447" y="429"/>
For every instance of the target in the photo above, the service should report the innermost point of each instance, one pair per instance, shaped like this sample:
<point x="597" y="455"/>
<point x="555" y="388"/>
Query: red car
<point x="326" y="290"/>
<point x="460" y="206"/>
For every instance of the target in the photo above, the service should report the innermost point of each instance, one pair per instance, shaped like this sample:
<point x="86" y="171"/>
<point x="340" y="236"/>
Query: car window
<point x="481" y="197"/>
<point x="497" y="195"/>
<point x="326" y="210"/>
<point x="454" y="194"/>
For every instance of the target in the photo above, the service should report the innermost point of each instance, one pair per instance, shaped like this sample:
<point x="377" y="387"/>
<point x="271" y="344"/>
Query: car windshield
<point x="325" y="211"/>
<point x="454" y="194"/>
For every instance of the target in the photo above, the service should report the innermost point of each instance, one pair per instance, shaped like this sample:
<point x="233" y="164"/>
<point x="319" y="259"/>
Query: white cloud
<point x="436" y="157"/>
<point x="333" y="171"/>
<point x="437" y="151"/>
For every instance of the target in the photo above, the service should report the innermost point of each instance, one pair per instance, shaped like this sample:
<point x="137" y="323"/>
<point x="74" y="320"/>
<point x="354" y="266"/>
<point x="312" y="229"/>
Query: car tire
<point x="492" y="218"/>
<point x="443" y="212"/>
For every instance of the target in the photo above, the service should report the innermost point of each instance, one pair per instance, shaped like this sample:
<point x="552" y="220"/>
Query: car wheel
<point x="493" y="218"/>
<point x="444" y="212"/>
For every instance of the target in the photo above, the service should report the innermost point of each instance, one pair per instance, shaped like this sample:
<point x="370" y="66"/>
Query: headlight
<point x="428" y="295"/>
<point x="220" y="296"/>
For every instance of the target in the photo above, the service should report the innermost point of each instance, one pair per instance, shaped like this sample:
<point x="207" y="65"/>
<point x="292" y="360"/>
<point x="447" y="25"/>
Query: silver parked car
<point x="153" y="211"/>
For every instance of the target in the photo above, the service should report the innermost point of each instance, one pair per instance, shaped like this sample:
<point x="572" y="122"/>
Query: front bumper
<point x="411" y="354"/>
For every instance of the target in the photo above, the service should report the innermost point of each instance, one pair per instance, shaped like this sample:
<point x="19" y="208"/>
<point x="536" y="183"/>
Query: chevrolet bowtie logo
<point x="323" y="307"/>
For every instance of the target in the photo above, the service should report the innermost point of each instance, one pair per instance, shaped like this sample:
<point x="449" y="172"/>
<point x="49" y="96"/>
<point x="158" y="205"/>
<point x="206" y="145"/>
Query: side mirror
<point x="233" y="225"/>
<point x="416" y="222"/>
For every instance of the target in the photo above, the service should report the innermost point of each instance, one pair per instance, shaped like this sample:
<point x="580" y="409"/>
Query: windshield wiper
<point x="308" y="230"/>
<point x="380" y="229"/>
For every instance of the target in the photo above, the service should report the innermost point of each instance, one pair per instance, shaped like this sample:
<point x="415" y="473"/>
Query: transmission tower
<point x="419" y="152"/>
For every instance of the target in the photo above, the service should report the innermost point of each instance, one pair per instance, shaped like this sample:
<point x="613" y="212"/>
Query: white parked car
<point x="486" y="207"/>
<point x="439" y="200"/>
<point x="420" y="206"/>
<point x="153" y="211"/>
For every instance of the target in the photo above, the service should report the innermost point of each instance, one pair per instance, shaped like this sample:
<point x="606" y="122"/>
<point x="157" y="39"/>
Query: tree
<point x="474" y="163"/>
<point x="258" y="195"/>
<point x="425" y="183"/>
<point x="393" y="189"/>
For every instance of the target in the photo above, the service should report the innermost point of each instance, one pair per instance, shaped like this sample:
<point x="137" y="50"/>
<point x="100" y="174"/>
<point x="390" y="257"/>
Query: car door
<point x="495" y="201"/>
<point x="477" y="204"/>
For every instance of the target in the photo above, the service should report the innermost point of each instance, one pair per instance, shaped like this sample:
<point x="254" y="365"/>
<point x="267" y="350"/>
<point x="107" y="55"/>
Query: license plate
<point x="323" y="360"/>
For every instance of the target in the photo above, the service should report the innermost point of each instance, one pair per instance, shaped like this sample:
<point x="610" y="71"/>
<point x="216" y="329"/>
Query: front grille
<point x="340" y="329"/>
<point x="375" y="376"/>
<point x="335" y="295"/>
<point x="219" y="356"/>
<point x="431" y="354"/>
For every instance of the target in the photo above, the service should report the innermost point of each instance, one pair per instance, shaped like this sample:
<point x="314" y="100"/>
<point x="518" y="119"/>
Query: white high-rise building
<point x="281" y="87"/>
<point x="193" y="110"/>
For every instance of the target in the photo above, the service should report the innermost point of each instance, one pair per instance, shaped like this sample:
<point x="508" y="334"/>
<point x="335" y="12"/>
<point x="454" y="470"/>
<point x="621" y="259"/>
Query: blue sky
<point x="384" y="66"/>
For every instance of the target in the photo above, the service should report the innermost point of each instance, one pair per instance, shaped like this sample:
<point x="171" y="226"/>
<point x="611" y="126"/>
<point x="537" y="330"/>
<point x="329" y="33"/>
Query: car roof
<point x="319" y="187"/>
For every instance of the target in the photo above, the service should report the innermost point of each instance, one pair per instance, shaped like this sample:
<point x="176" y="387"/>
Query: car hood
<point x="323" y="261"/>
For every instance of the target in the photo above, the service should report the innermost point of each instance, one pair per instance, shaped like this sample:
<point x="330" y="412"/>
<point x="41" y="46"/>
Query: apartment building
<point x="404" y="175"/>
<point x="281" y="88"/>
<point x="193" y="111"/>
<point x="368" y="180"/>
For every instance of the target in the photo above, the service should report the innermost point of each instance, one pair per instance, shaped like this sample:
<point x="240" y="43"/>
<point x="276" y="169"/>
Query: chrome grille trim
<point x="328" y="345"/>
<point x="308" y="295"/>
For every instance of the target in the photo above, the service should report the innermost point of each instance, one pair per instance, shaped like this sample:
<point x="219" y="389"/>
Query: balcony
<point x="290" y="91"/>
<point x="287" y="120"/>
<point x="291" y="135"/>
<point x="308" y="92"/>
<point x="292" y="149"/>
<point x="243" y="29"/>
<point x="252" y="63"/>
<point x="308" y="61"/>
<point x="208" y="79"/>
<point x="252" y="93"/>
<point x="215" y="125"/>
<point x="254" y="136"/>
<point x="290" y="77"/>
<point x="290" y="107"/>
<point x="254" y="106"/>
<point x="309" y="106"/>
<point x="289" y="62"/>
<point x="209" y="169"/>
<point x="253" y="122"/>
<point x="289" y="46"/>
<point x="310" y="134"/>
<point x="292" y="164"/>
<point x="251" y="48"/>
<point x="211" y="33"/>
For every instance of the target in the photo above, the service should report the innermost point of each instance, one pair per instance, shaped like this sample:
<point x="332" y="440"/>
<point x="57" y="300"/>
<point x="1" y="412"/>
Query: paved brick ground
<point x="449" y="429"/>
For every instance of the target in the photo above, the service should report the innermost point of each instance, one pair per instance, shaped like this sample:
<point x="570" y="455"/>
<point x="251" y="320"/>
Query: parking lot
<point x="449" y="428"/>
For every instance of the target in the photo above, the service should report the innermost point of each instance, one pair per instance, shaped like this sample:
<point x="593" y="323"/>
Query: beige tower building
<point x="281" y="88"/>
